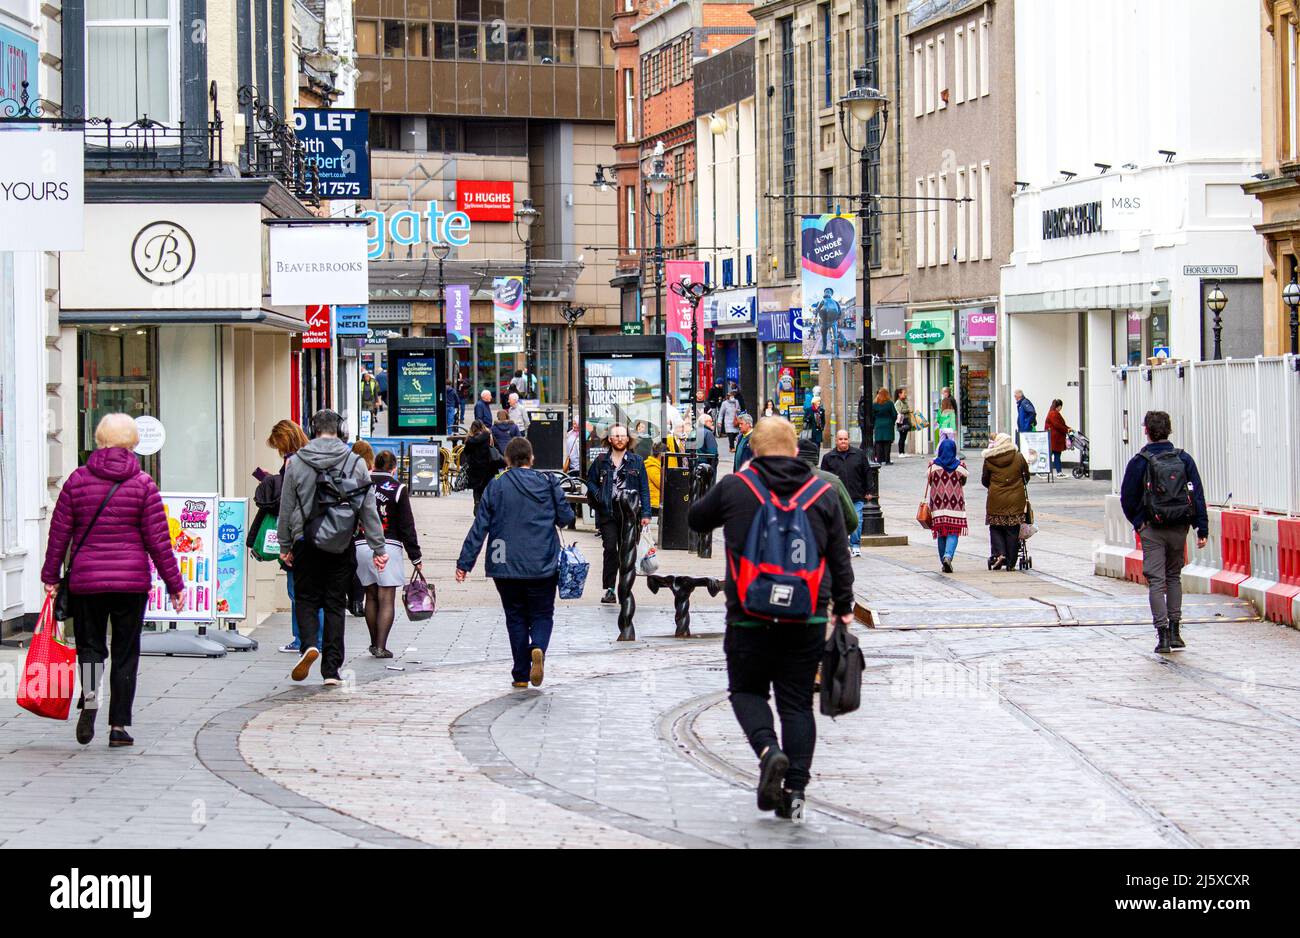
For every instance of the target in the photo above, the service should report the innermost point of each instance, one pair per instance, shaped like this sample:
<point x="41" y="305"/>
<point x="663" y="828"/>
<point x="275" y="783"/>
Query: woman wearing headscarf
<point x="1005" y="476"/>
<point x="946" y="488"/>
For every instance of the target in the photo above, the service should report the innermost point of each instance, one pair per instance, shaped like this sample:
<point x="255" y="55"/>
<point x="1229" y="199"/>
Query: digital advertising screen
<point x="625" y="389"/>
<point x="416" y="380"/>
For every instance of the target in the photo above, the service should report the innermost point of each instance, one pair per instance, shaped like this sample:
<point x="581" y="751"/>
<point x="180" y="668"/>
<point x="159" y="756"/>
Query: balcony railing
<point x="271" y="148"/>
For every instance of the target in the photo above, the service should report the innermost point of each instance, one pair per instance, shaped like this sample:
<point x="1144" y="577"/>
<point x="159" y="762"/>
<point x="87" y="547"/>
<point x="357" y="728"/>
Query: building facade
<point x="1130" y="206"/>
<point x="477" y="105"/>
<point x="805" y="57"/>
<point x="1279" y="191"/>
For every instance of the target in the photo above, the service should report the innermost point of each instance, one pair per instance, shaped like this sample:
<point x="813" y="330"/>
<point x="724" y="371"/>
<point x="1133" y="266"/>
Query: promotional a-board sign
<point x="424" y="468"/>
<point x="232" y="558"/>
<point x="192" y="532"/>
<point x="1034" y="447"/>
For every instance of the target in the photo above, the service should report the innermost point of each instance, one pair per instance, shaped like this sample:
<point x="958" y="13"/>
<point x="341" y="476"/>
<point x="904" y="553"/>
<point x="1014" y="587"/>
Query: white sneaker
<point x="333" y="682"/>
<point x="855" y="551"/>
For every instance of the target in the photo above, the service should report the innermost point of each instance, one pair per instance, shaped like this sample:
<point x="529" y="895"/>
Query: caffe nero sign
<point x="1071" y="220"/>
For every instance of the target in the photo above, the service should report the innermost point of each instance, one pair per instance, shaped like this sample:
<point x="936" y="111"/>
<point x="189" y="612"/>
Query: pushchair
<point x="1076" y="440"/>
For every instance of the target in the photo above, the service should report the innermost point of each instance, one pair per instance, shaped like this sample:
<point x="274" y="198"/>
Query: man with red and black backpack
<point x="787" y="561"/>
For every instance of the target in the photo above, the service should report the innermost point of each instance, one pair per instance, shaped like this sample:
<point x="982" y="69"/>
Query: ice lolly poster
<point x="191" y="529"/>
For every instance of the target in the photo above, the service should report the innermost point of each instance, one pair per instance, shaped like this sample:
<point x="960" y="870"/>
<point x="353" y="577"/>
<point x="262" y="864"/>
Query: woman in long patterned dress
<point x="947" y="487"/>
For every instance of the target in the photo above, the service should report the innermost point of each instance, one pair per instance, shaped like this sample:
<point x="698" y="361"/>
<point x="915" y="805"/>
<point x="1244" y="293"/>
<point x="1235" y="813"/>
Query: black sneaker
<point x="1162" y="642"/>
<point x="118" y="738"/>
<point x="86" y="726"/>
<point x="792" y="805"/>
<point x="947" y="566"/>
<point x="608" y="599"/>
<point x="1176" y="637"/>
<point x="771" y="773"/>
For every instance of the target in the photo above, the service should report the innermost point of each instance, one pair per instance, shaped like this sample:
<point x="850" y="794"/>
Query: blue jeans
<point x="947" y="544"/>
<point x="293" y="615"/>
<point x="1056" y="462"/>
<point x="855" y="539"/>
<point x="530" y="614"/>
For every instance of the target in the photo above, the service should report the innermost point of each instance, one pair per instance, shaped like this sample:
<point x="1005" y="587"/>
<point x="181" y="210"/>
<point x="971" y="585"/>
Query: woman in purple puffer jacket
<point x="110" y="576"/>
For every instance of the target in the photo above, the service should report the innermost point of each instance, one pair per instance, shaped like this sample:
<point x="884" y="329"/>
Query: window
<point x="932" y="224"/>
<point x="828" y="189"/>
<point x="493" y="11"/>
<point x="494" y="42"/>
<point x="918" y="208"/>
<point x="958" y="64"/>
<point x="467" y="10"/>
<point x="1292" y="87"/>
<point x="929" y="76"/>
<point x="394" y="39"/>
<point x="629" y="196"/>
<point x="131" y="58"/>
<point x="564" y="46"/>
<point x="961" y="207"/>
<point x="941" y="66"/>
<point x="918" y="81"/>
<point x="972" y="76"/>
<point x="827" y="57"/>
<point x="543" y="45"/>
<point x="467" y="42"/>
<point x="417" y="41"/>
<point x="367" y="37"/>
<point x="871" y="60"/>
<point x="984" y="57"/>
<point x="942" y="208"/>
<point x="986" y="222"/>
<point x="629" y="106"/>
<point x="444" y="41"/>
<point x="786" y="27"/>
<point x="973" y="216"/>
<point x="517" y="39"/>
<point x="589" y="47"/>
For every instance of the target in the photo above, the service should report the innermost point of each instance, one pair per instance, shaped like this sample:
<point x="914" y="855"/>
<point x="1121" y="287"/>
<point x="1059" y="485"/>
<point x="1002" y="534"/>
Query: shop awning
<point x="417" y="278"/>
<point x="181" y="317"/>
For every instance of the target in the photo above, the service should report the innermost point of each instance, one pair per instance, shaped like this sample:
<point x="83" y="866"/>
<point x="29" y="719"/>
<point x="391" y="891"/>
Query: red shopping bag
<point x="49" y="676"/>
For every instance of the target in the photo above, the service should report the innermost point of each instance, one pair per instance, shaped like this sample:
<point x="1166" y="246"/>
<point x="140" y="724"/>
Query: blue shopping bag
<point x="573" y="572"/>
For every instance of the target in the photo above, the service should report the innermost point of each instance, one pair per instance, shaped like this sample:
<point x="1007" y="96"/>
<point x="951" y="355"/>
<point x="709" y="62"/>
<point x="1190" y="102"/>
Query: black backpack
<point x="1167" y="493"/>
<point x="339" y="497"/>
<point x="842" y="667"/>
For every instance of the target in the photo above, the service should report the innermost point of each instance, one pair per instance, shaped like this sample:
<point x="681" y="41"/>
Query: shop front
<point x="977" y="333"/>
<point x="731" y="315"/>
<point x="931" y="336"/>
<point x="788" y="376"/>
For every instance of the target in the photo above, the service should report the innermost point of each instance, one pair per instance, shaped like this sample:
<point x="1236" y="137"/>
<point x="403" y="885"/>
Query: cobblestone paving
<point x="978" y="726"/>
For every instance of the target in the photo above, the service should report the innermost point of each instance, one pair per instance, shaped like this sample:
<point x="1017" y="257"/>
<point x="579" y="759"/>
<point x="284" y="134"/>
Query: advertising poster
<point x="785" y="389"/>
<point x="456" y="298"/>
<point x="1033" y="446"/>
<point x="318" y="327"/>
<point x="192" y="528"/>
<point x="337" y="140"/>
<point x="828" y="253"/>
<point x="232" y="558"/>
<point x="622" y="389"/>
<point x="424" y="468"/>
<point x="678" y="310"/>
<point x="508" y="315"/>
<point x="417" y="405"/>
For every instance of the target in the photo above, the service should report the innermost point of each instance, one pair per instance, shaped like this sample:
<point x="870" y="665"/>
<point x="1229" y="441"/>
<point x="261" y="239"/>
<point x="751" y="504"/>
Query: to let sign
<point x="482" y="200"/>
<point x="318" y="328"/>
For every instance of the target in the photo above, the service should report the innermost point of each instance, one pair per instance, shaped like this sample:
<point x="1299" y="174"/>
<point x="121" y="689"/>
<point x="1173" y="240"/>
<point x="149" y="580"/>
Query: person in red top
<point x="1056" y="434"/>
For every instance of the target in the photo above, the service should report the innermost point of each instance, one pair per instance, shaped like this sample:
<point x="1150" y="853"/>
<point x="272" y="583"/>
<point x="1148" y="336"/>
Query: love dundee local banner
<point x="828" y="253"/>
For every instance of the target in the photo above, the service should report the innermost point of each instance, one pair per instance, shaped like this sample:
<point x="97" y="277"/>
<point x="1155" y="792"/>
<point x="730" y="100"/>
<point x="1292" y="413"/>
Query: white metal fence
<point x="1240" y="420"/>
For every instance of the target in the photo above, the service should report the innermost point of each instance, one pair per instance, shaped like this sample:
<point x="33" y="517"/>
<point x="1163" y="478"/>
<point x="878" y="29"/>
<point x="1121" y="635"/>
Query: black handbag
<point x="63" y="601"/>
<point x="842" y="668"/>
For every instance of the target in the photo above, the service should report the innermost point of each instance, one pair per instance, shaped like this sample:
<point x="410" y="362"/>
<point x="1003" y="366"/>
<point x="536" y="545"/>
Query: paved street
<point x="999" y="709"/>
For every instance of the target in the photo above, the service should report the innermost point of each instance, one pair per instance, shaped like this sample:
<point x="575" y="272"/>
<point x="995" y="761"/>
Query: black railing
<point x="271" y="148"/>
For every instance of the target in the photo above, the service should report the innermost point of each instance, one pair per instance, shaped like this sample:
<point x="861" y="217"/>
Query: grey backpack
<point x="339" y="497"/>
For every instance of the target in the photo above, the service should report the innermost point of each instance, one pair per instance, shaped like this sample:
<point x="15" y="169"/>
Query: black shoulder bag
<point x="63" y="601"/>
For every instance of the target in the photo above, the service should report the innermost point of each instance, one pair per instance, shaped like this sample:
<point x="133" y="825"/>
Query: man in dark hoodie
<point x="517" y="518"/>
<point x="320" y="578"/>
<point x="1164" y="538"/>
<point x="781" y="657"/>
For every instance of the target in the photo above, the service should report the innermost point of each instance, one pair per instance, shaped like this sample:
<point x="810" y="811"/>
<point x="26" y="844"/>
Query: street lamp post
<point x="863" y="103"/>
<point x="571" y="316"/>
<point x="525" y="217"/>
<point x="1291" y="293"/>
<point x="693" y="293"/>
<point x="440" y="250"/>
<point x="1217" y="302"/>
<point x="657" y="185"/>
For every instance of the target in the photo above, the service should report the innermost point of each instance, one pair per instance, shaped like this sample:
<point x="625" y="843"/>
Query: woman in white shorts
<point x="393" y="499"/>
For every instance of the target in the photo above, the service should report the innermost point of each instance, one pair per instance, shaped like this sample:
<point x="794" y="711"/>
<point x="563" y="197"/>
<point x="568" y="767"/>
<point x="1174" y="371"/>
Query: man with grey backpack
<point x="326" y="498"/>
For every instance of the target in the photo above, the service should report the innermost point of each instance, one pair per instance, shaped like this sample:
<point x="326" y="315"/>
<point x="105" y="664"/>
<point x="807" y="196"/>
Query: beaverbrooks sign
<point x="315" y="264"/>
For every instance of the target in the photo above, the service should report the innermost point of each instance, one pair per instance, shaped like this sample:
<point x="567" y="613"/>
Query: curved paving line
<point x="677" y="727"/>
<point x="217" y="746"/>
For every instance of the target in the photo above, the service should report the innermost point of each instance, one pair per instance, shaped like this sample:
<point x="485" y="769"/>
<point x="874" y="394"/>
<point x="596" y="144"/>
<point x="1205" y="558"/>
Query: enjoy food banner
<point x="828" y="252"/>
<point x="679" y="310"/>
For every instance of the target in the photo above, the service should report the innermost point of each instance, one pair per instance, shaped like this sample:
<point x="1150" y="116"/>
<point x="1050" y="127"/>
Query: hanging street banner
<point x="828" y="255"/>
<point x="319" y="262"/>
<point x="456" y="301"/>
<point x="337" y="140"/>
<point x="508" y="315"/>
<point x="232" y="558"/>
<point x="42" y="191"/>
<point x="351" y="320"/>
<point x="678" y="325"/>
<point x="318" y="327"/>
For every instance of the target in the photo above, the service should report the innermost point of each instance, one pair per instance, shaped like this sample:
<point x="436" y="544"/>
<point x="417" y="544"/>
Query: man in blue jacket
<point x="1026" y="416"/>
<point x="1162" y="499"/>
<point x="614" y="470"/>
<point x="517" y="518"/>
<point x="483" y="408"/>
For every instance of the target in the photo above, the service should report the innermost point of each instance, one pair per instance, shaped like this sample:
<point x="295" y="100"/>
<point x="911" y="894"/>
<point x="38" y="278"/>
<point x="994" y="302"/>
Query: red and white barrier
<point x="1234" y="551"/>
<point x="1282" y="600"/>
<point x="1203" y="562"/>
<point x="1263" y="561"/>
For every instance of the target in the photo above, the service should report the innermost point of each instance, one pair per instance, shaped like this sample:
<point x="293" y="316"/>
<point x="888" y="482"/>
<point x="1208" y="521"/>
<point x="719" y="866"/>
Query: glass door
<point x="117" y="373"/>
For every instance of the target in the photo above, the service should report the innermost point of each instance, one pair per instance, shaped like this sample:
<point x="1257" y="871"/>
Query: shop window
<point x="132" y="65"/>
<point x="117" y="373"/>
<point x="367" y="37"/>
<point x="417" y="41"/>
<point x="444" y="41"/>
<point x="467" y="42"/>
<point x="543" y="45"/>
<point x="394" y="39"/>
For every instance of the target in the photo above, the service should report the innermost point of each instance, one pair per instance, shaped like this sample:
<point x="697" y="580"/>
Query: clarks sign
<point x="1071" y="220"/>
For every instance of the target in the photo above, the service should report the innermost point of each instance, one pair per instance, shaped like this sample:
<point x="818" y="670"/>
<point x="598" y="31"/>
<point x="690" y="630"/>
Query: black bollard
<point x="682" y="587"/>
<point x="627" y="517"/>
<point x="702" y="475"/>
